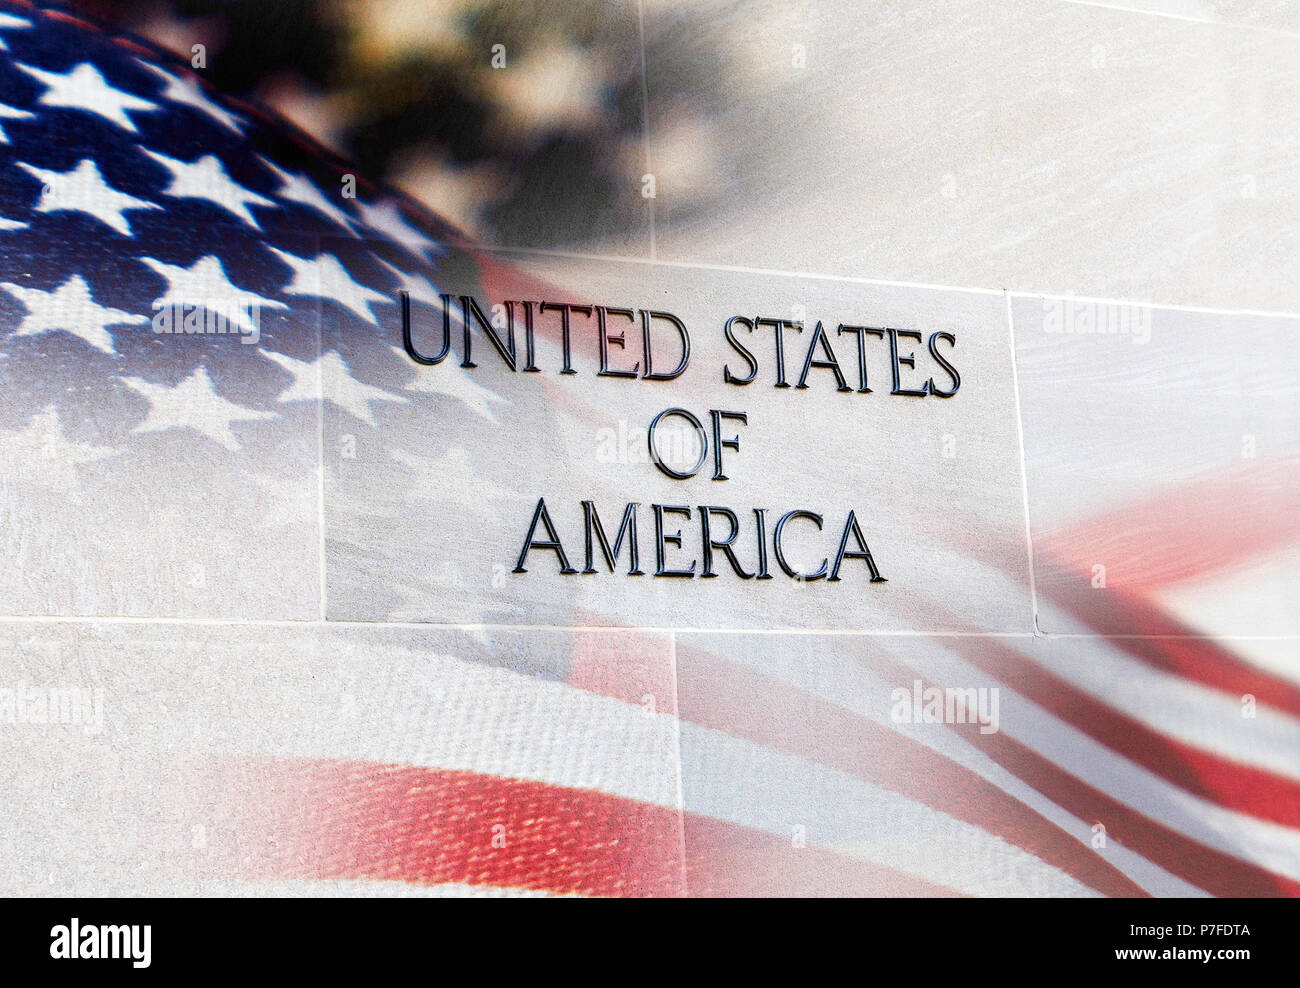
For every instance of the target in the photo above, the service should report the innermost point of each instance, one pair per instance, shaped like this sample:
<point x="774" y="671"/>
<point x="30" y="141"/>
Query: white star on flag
<point x="324" y="277"/>
<point x="8" y="21"/>
<point x="206" y="178"/>
<point x="188" y="92"/>
<point x="388" y="220"/>
<point x="451" y="477"/>
<point x="42" y="453"/>
<point x="328" y="376"/>
<point x="205" y="283"/>
<point x="6" y="224"/>
<point x="302" y="190"/>
<point x="84" y="190"/>
<point x="450" y="380"/>
<point x="418" y="287"/>
<point x="70" y="308"/>
<point x="193" y="404"/>
<point x="83" y="88"/>
<point x="12" y="113"/>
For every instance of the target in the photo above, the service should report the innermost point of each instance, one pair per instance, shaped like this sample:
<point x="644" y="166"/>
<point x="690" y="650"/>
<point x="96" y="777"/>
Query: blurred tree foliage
<point x="549" y="145"/>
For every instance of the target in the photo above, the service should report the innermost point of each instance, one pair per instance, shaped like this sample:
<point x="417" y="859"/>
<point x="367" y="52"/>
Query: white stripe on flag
<point x="753" y="786"/>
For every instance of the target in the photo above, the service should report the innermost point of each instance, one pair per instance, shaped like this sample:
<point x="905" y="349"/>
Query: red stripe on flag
<point x="1239" y="787"/>
<point x="327" y="820"/>
<point x="1214" y="871"/>
<point x="1171" y="646"/>
<point x="1208" y="525"/>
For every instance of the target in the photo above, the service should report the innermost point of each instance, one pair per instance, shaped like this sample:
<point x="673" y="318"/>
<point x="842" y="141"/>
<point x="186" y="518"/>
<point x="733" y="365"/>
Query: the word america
<point x="718" y="534"/>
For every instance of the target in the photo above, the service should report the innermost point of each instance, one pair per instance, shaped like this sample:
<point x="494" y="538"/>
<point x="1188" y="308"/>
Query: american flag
<point x="165" y="527"/>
